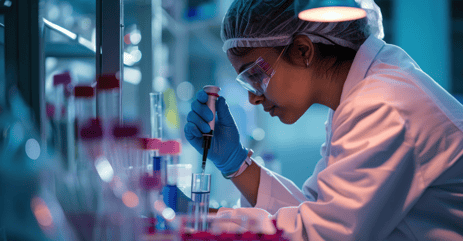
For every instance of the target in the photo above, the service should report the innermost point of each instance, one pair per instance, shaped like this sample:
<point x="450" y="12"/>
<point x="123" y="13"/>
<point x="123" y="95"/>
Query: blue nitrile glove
<point x="226" y="150"/>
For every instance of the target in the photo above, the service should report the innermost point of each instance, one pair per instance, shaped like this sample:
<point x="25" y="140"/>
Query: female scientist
<point x="392" y="162"/>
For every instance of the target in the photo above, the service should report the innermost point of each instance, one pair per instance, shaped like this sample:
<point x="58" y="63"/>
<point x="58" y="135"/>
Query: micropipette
<point x="212" y="92"/>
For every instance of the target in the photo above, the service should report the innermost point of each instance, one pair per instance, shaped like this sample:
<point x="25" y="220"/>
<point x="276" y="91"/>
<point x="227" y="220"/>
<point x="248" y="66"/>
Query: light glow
<point x="160" y="84"/>
<point x="60" y="29"/>
<point x="214" y="204"/>
<point x="136" y="54"/>
<point x="129" y="60"/>
<point x="132" y="75"/>
<point x="53" y="13"/>
<point x="332" y="14"/>
<point x="104" y="169"/>
<point x="159" y="206"/>
<point x="168" y="214"/>
<point x="87" y="43"/>
<point x="135" y="37"/>
<point x="130" y="199"/>
<point x="32" y="149"/>
<point x="69" y="22"/>
<point x="85" y="23"/>
<point x="41" y="212"/>
<point x="185" y="90"/>
<point x="258" y="134"/>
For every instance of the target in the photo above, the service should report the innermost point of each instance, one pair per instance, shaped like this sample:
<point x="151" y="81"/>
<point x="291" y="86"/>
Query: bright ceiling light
<point x="329" y="10"/>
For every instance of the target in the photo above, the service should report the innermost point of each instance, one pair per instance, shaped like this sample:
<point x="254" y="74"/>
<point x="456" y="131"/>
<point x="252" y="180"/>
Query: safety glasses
<point x="256" y="77"/>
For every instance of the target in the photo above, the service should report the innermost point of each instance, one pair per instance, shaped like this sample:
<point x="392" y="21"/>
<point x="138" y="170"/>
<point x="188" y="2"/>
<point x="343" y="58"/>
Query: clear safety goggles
<point x="256" y="77"/>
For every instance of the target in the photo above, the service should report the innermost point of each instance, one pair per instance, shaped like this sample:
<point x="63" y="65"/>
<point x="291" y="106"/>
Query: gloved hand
<point x="226" y="151"/>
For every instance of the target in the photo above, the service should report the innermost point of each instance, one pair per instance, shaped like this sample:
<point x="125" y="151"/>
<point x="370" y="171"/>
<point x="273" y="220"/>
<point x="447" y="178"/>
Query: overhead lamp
<point x="329" y="10"/>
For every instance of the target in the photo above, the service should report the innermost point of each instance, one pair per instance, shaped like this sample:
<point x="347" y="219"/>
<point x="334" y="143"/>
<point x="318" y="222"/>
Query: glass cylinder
<point x="60" y="82"/>
<point x="108" y="101"/>
<point x="150" y="163"/>
<point x="84" y="99"/>
<point x="84" y="106"/>
<point x="156" y="114"/>
<point x="200" y="191"/>
<point x="124" y="154"/>
<point x="170" y="151"/>
<point x="59" y="101"/>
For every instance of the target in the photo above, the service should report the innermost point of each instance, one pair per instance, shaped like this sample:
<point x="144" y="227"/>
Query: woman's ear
<point x="302" y="51"/>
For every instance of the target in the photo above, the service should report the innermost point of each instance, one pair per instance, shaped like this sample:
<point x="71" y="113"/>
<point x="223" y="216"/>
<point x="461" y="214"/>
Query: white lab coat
<point x="391" y="166"/>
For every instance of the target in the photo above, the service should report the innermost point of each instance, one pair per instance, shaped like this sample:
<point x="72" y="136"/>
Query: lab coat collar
<point x="362" y="62"/>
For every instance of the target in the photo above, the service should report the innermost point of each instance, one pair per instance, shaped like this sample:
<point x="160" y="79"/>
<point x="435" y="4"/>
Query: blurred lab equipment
<point x="63" y="119"/>
<point x="150" y="182"/>
<point x="170" y="151"/>
<point x="111" y="193"/>
<point x="156" y="114"/>
<point x="78" y="188"/>
<point x="29" y="209"/>
<point x="116" y="217"/>
<point x="108" y="102"/>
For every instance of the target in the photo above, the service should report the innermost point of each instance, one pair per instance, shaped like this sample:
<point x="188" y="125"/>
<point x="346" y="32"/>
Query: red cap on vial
<point x="64" y="79"/>
<point x="50" y="109"/>
<point x="150" y="143"/>
<point x="125" y="131"/>
<point x="92" y="130"/>
<point x="84" y="91"/>
<point x="171" y="147"/>
<point x="107" y="82"/>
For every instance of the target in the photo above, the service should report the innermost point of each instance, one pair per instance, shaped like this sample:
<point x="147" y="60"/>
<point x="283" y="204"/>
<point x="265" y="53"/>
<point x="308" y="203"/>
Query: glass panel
<point x="138" y="70"/>
<point x="69" y="59"/>
<point x="69" y="52"/>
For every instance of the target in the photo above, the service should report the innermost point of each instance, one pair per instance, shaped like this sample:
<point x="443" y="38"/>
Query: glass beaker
<point x="200" y="191"/>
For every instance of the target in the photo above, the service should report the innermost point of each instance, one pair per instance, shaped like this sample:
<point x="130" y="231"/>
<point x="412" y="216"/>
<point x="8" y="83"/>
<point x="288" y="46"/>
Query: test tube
<point x="84" y="104"/>
<point x="147" y="147"/>
<point x="60" y="83"/>
<point x="125" y="154"/>
<point x="108" y="102"/>
<point x="91" y="138"/>
<point x="170" y="150"/>
<point x="84" y="112"/>
<point x="150" y="184"/>
<point x="159" y="167"/>
<point x="200" y="191"/>
<point x="156" y="114"/>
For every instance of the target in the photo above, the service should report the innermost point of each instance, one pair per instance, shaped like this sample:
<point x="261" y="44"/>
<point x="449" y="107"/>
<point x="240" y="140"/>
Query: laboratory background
<point x="162" y="52"/>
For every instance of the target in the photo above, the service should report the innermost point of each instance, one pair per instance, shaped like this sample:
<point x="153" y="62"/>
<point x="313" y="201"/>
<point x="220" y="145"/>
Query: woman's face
<point x="289" y="92"/>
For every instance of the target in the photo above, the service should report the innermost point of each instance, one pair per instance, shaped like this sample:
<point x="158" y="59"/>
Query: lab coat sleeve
<point x="275" y="191"/>
<point x="370" y="182"/>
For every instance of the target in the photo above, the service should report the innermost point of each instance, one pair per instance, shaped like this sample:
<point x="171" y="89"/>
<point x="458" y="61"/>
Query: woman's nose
<point x="255" y="99"/>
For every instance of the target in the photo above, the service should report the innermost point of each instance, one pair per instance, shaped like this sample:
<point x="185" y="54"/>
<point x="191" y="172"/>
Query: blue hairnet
<point x="267" y="23"/>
